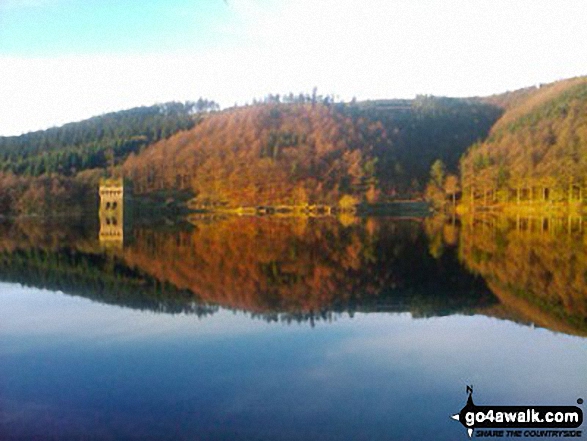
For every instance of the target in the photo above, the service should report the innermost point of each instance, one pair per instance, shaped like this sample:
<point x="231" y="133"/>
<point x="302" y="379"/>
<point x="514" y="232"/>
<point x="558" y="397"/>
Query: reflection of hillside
<point x="65" y="255"/>
<point x="259" y="264"/>
<point x="305" y="269"/>
<point x="50" y="234"/>
<point x="537" y="267"/>
<point x="269" y="265"/>
<point x="295" y="268"/>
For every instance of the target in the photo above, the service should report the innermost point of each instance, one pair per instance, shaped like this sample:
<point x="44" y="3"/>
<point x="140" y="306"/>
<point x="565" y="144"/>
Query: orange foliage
<point x="536" y="266"/>
<point x="265" y="154"/>
<point x="263" y="264"/>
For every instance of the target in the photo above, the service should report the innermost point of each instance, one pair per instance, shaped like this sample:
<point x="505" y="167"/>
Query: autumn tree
<point x="536" y="152"/>
<point x="451" y="187"/>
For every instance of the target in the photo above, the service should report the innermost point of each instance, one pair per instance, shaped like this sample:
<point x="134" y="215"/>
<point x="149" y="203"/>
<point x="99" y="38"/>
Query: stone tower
<point x="111" y="211"/>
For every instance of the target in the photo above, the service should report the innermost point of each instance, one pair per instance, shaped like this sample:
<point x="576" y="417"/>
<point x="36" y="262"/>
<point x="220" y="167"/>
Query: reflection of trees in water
<point x="65" y="256"/>
<point x="306" y="267"/>
<point x="51" y="233"/>
<point x="536" y="266"/>
<point x="295" y="269"/>
<point x="260" y="264"/>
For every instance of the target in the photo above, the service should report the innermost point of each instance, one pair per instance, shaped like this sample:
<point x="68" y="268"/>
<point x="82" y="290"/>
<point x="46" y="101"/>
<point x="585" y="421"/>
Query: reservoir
<point x="285" y="328"/>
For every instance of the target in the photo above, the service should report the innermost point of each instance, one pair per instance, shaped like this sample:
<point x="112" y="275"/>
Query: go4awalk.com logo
<point x="520" y="421"/>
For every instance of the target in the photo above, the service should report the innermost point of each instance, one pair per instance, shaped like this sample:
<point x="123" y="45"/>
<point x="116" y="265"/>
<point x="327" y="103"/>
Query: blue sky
<point x="65" y="60"/>
<point x="78" y="27"/>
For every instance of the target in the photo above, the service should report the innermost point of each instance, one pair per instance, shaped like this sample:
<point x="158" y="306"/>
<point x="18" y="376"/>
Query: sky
<point x="66" y="60"/>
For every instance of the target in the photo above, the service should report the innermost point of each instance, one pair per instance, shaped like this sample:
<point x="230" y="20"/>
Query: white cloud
<point x="370" y="49"/>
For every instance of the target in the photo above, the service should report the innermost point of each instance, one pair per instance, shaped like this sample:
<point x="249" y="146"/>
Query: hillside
<point x="524" y="146"/>
<point x="57" y="170"/>
<point x="428" y="128"/>
<point x="94" y="142"/>
<point x="536" y="152"/>
<point x="312" y="152"/>
<point x="264" y="154"/>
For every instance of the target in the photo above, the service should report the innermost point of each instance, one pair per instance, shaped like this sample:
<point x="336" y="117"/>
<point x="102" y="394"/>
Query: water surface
<point x="268" y="328"/>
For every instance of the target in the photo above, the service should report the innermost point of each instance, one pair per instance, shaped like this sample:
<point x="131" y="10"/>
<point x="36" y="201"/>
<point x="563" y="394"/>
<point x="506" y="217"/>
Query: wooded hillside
<point x="288" y="154"/>
<point x="57" y="170"/>
<point x="312" y="152"/>
<point x="291" y="150"/>
<point x="95" y="142"/>
<point x="536" y="152"/>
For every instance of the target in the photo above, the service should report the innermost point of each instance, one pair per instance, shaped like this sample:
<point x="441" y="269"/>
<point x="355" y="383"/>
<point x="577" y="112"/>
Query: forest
<point x="282" y="150"/>
<point x="58" y="169"/>
<point x="312" y="151"/>
<point x="536" y="153"/>
<point x="525" y="147"/>
<point x="96" y="142"/>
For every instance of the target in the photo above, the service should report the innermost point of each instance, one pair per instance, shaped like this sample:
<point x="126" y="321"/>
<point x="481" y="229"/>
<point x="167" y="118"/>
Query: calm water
<point x="269" y="328"/>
